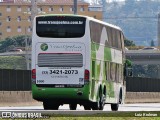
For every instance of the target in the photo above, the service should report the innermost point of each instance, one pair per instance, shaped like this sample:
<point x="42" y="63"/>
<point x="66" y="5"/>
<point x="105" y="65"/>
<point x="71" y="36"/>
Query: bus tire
<point x="102" y="102"/>
<point x="87" y="107"/>
<point x="73" y="106"/>
<point x="120" y="96"/>
<point x="102" y="99"/>
<point x="99" y="104"/>
<point x="114" y="107"/>
<point x="95" y="106"/>
<point x="50" y="106"/>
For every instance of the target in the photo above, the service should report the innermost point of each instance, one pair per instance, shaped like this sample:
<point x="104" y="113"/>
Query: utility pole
<point x="34" y="10"/>
<point x="75" y="7"/>
<point x="33" y="14"/>
<point x="26" y="49"/>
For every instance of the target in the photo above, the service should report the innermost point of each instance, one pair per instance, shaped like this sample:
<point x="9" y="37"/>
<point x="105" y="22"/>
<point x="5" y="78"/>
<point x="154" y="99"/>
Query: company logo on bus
<point x="44" y="46"/>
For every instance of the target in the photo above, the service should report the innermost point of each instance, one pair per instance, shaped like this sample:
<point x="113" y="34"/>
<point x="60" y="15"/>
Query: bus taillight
<point x="33" y="73"/>
<point x="86" y="75"/>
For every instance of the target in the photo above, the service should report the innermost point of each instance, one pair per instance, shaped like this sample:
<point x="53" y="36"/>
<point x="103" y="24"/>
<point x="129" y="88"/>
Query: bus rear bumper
<point x="64" y="95"/>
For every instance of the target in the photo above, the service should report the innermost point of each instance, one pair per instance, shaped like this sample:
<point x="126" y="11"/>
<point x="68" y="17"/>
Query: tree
<point x="6" y="44"/>
<point x="137" y="18"/>
<point x="129" y="43"/>
<point x="152" y="71"/>
<point x="152" y="43"/>
<point x="138" y="71"/>
<point x="20" y="40"/>
<point x="16" y="41"/>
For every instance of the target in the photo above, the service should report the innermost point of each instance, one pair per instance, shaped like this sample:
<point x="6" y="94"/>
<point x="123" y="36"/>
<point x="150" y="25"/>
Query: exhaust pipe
<point x="79" y="93"/>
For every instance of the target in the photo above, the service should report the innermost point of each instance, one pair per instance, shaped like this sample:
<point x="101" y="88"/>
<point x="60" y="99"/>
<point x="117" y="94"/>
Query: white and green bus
<point x="77" y="60"/>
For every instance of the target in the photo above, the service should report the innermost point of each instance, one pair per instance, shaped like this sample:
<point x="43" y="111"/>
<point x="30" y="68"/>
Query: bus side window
<point x="120" y="73"/>
<point x="122" y="42"/>
<point x="119" y="40"/>
<point x="106" y="70"/>
<point x="114" y="38"/>
<point x="117" y="73"/>
<point x="109" y="33"/>
<point x="112" y="72"/>
<point x="93" y="69"/>
<point x="109" y="71"/>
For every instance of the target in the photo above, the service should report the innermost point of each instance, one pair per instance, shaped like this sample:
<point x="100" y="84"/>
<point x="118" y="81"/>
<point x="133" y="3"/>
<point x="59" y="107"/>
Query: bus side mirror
<point x="129" y="72"/>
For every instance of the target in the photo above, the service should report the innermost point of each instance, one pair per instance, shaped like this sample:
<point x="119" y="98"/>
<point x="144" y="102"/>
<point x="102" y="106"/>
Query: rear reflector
<point x="86" y="75"/>
<point x="33" y="73"/>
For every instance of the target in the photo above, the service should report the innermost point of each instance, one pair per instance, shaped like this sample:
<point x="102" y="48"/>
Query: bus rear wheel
<point x="102" y="102"/>
<point x="50" y="106"/>
<point x="99" y="105"/>
<point x="73" y="106"/>
<point x="114" y="107"/>
<point x="95" y="106"/>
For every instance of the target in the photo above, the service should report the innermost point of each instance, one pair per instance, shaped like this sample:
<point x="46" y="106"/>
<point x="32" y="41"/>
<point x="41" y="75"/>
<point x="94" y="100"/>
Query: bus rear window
<point x="60" y="26"/>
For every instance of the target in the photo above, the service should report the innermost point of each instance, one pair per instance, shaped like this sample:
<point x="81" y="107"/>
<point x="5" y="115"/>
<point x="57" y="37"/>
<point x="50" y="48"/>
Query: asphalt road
<point x="32" y="112"/>
<point x="123" y="107"/>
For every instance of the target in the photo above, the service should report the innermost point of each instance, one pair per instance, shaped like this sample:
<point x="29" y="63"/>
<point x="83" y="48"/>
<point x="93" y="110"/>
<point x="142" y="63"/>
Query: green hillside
<point x="12" y="62"/>
<point x="137" y="18"/>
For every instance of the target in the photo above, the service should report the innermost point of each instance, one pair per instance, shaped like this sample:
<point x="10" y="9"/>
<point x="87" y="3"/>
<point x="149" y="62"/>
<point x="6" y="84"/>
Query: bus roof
<point x="105" y="23"/>
<point x="89" y="18"/>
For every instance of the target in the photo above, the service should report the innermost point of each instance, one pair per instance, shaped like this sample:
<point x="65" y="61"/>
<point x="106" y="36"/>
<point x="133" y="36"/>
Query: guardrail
<point x="15" y="53"/>
<point x="20" y="80"/>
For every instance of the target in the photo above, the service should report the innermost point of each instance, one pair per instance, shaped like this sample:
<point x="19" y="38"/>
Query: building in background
<point x="15" y="15"/>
